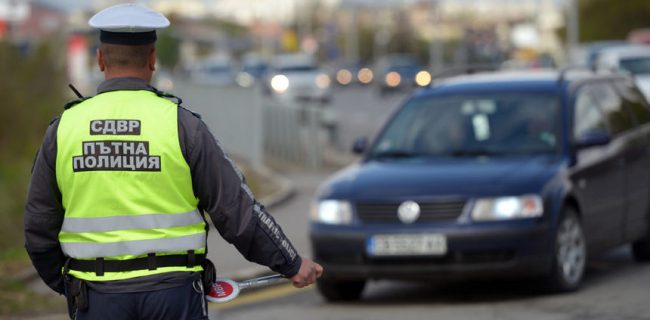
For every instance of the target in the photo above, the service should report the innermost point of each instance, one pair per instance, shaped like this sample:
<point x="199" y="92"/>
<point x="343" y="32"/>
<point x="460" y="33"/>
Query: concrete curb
<point x="338" y="159"/>
<point x="284" y="193"/>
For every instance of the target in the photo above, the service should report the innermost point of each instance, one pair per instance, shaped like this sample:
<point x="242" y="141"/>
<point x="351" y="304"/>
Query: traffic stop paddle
<point x="224" y="290"/>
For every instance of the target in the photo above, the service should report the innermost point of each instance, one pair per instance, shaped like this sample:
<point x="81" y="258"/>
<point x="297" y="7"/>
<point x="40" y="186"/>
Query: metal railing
<point x="293" y="132"/>
<point x="249" y="125"/>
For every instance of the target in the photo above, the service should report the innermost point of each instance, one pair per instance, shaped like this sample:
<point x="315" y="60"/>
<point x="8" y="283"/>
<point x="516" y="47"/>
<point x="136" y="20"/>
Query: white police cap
<point x="128" y="24"/>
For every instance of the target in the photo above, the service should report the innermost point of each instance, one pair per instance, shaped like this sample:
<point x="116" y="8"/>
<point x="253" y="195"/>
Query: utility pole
<point x="573" y="26"/>
<point x="352" y="37"/>
<point x="303" y="12"/>
<point x="436" y="46"/>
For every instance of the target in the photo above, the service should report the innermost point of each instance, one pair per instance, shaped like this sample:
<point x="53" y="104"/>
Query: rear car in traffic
<point x="630" y="59"/>
<point x="400" y="72"/>
<point x="298" y="77"/>
<point x="216" y="70"/>
<point x="515" y="174"/>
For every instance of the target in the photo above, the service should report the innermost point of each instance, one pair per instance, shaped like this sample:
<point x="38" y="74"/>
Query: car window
<point x="618" y="117"/>
<point x="472" y="125"/>
<point x="637" y="65"/>
<point x="633" y="101"/>
<point x="588" y="115"/>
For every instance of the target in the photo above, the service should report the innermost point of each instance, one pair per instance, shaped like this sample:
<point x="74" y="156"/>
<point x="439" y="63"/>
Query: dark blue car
<point x="518" y="174"/>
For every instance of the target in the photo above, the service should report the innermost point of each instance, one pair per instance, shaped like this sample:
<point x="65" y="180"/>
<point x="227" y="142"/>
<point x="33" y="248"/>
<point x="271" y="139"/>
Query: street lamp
<point x="436" y="45"/>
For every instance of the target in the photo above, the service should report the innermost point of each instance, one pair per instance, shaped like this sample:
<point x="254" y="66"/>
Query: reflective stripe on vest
<point x="138" y="247"/>
<point x="131" y="222"/>
<point x="126" y="187"/>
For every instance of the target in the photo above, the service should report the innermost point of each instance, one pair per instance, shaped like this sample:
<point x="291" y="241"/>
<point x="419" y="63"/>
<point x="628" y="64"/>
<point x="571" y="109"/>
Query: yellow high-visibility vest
<point x="126" y="187"/>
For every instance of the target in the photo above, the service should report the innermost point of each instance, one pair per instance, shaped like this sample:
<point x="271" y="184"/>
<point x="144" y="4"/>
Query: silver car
<point x="630" y="59"/>
<point x="298" y="77"/>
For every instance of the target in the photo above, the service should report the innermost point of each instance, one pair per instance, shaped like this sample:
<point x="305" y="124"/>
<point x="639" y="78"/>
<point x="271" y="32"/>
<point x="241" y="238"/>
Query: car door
<point x="598" y="174"/>
<point x="637" y="161"/>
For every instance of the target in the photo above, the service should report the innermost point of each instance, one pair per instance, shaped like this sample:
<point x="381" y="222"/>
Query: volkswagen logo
<point x="408" y="211"/>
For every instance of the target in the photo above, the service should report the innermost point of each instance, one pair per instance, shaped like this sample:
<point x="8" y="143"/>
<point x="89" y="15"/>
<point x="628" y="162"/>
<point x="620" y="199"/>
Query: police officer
<point x="114" y="210"/>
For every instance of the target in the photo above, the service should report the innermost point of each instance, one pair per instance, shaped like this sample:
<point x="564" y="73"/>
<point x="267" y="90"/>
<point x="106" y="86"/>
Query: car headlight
<point x="365" y="75"/>
<point x="344" y="77"/>
<point x="280" y="83"/>
<point x="332" y="212"/>
<point x="507" y="208"/>
<point x="322" y="81"/>
<point x="245" y="79"/>
<point x="393" y="79"/>
<point x="423" y="78"/>
<point x="165" y="84"/>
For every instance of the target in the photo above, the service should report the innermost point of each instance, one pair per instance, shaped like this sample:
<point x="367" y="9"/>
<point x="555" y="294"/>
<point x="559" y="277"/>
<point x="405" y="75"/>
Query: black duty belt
<point x="151" y="262"/>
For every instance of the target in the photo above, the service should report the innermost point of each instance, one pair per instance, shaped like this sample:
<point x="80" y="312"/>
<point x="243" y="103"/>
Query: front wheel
<point x="570" y="254"/>
<point x="641" y="249"/>
<point x="340" y="291"/>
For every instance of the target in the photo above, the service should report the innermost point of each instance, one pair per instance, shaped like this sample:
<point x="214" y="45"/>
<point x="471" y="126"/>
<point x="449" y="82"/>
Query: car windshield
<point x="254" y="68"/>
<point x="217" y="69"/>
<point x="404" y="68"/>
<point x="472" y="125"/>
<point x="636" y="66"/>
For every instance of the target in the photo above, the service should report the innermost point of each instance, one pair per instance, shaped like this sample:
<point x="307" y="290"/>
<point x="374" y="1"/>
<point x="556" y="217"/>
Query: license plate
<point x="407" y="245"/>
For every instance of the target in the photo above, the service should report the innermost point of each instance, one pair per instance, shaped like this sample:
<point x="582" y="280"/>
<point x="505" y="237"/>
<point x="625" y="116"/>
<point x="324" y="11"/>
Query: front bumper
<point x="472" y="251"/>
<point x="305" y="94"/>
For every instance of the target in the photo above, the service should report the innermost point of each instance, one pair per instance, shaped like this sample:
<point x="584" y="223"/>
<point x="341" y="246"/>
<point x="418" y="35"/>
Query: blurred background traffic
<point x="290" y="83"/>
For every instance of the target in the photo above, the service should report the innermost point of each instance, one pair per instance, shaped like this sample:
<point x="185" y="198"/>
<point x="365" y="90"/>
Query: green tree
<point x="610" y="19"/>
<point x="168" y="50"/>
<point x="32" y="83"/>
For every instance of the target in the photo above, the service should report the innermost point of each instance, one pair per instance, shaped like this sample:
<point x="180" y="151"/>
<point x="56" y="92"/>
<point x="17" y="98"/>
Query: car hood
<point x="302" y="79"/>
<point x="421" y="179"/>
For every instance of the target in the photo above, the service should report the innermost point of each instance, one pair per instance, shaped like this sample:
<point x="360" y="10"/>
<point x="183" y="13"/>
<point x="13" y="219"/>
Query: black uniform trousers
<point x="177" y="303"/>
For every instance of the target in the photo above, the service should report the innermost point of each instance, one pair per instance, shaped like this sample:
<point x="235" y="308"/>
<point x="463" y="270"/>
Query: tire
<point x="570" y="254"/>
<point x="340" y="291"/>
<point x="641" y="249"/>
<point x="326" y="100"/>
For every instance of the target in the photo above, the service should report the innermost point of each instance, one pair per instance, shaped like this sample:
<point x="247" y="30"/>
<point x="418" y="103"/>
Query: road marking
<point x="259" y="296"/>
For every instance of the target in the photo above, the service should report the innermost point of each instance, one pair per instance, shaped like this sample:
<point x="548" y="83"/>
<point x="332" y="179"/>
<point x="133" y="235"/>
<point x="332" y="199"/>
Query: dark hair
<point x="125" y="56"/>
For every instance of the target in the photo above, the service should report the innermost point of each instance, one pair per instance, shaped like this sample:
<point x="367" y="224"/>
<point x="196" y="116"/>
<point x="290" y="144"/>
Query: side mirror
<point x="360" y="144"/>
<point x="592" y="138"/>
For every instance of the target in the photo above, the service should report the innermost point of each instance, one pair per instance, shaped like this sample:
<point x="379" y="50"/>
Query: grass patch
<point x="16" y="297"/>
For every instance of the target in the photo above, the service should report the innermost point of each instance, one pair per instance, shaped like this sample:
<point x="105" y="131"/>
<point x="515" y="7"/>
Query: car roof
<point x="627" y="51"/>
<point x="537" y="80"/>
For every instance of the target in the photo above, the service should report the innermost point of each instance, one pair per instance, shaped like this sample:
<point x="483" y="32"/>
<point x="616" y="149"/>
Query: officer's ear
<point x="100" y="60"/>
<point x="152" y="59"/>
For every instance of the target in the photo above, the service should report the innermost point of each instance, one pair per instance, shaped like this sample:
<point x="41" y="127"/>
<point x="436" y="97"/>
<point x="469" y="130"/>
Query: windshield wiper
<point x="473" y="153"/>
<point x="396" y="154"/>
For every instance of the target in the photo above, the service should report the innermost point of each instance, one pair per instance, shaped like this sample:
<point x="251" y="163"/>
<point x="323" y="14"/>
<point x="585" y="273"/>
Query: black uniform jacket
<point x="217" y="183"/>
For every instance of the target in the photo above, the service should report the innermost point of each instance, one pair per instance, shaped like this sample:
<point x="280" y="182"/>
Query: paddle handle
<point x="261" y="281"/>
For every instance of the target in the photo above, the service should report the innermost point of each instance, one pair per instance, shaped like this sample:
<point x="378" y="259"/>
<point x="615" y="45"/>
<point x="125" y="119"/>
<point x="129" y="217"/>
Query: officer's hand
<point x="308" y="273"/>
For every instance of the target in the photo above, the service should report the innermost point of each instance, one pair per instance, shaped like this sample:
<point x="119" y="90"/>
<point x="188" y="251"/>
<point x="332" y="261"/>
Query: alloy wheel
<point x="571" y="253"/>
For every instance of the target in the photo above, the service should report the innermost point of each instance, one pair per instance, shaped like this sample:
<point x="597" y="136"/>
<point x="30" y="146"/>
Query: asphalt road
<point x="615" y="286"/>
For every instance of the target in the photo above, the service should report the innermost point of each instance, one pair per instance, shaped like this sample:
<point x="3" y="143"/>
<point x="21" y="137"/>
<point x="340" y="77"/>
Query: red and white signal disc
<point x="222" y="290"/>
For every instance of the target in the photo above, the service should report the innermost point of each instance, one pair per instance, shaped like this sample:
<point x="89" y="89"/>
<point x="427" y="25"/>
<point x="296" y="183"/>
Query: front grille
<point x="429" y="212"/>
